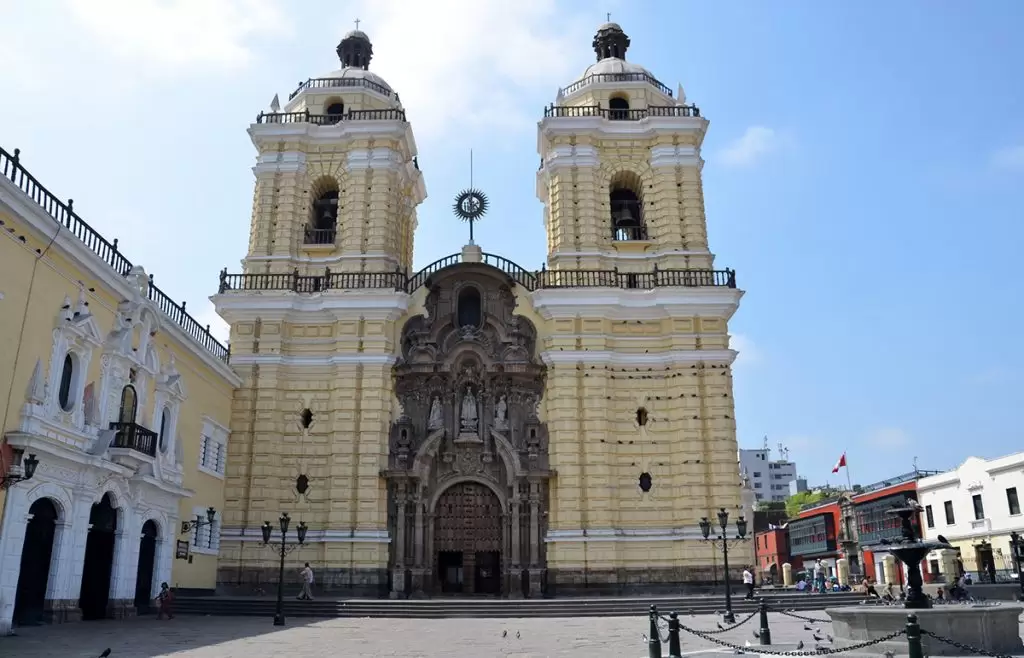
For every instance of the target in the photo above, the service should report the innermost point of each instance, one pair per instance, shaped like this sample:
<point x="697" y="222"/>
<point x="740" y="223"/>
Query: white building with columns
<point x="111" y="386"/>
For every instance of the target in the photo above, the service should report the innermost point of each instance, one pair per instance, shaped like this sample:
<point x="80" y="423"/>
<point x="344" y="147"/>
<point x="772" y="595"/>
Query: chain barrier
<point x="816" y="652"/>
<point x="726" y="628"/>
<point x="964" y="647"/>
<point x="790" y="613"/>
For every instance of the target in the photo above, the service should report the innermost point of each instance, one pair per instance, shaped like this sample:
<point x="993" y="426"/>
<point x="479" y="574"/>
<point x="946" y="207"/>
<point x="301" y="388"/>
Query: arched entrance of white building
<point x="99" y="560"/>
<point x="144" y="575"/>
<point x="34" y="574"/>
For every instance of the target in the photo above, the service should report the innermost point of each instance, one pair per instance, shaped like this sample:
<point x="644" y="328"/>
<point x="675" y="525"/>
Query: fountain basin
<point x="993" y="628"/>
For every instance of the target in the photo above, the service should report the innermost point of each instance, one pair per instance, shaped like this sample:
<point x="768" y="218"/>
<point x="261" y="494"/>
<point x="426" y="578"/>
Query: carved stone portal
<point x="468" y="462"/>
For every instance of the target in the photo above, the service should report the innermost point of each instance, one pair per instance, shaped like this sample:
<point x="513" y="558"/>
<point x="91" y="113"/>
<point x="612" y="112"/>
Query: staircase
<point x="480" y="608"/>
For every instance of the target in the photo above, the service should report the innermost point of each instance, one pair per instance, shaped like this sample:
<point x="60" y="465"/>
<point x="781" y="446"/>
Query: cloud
<point x="181" y="33"/>
<point x="475" y="64"/>
<point x="218" y="327"/>
<point x="1010" y="158"/>
<point x="748" y="352"/>
<point x="756" y="143"/>
<point x="888" y="437"/>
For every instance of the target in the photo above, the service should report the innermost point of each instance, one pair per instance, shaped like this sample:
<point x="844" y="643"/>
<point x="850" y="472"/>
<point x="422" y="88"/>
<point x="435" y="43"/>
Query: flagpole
<point x="849" y="486"/>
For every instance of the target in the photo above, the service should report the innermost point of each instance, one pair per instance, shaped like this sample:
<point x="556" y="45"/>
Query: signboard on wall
<point x="182" y="551"/>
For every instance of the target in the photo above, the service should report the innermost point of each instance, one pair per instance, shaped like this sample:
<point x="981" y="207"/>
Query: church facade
<point x="475" y="427"/>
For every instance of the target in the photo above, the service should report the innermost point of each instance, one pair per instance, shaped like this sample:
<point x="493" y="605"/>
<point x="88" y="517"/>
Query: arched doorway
<point x="144" y="576"/>
<point x="30" y="599"/>
<point x="99" y="560"/>
<point x="468" y="540"/>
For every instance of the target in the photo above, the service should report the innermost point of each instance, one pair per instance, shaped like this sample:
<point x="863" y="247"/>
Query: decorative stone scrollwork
<point x="469" y="388"/>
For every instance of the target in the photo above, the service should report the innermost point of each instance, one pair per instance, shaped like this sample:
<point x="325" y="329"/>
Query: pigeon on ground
<point x="106" y="652"/>
<point x="817" y="638"/>
<point x="807" y="628"/>
<point x="644" y="638"/>
<point x="757" y="634"/>
<point x="720" y="627"/>
<point x="890" y="654"/>
<point x="504" y="633"/>
<point x="799" y="645"/>
<point x="829" y="637"/>
<point x="517" y="635"/>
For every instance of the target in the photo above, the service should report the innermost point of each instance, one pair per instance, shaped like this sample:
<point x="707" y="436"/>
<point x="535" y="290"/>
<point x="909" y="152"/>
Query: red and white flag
<point x="839" y="464"/>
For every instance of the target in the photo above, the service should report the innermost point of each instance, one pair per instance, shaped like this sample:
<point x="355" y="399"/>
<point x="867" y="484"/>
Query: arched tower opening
<point x="625" y="194"/>
<point x="323" y="215"/>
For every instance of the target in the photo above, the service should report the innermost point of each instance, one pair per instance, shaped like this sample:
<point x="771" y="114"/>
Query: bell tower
<point x="620" y="169"/>
<point x="337" y="179"/>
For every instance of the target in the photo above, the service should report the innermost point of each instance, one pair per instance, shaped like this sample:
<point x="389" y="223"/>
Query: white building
<point x="975" y="507"/>
<point x="768" y="478"/>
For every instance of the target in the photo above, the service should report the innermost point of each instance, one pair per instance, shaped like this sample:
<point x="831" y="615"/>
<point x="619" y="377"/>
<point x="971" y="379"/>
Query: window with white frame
<point x="205" y="538"/>
<point x="213" y="449"/>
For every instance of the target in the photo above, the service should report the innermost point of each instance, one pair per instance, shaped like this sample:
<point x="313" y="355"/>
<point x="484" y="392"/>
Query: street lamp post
<point x="741" y="533"/>
<point x="199" y="522"/>
<point x="283" y="549"/>
<point x="1017" y="549"/>
<point x="25" y="472"/>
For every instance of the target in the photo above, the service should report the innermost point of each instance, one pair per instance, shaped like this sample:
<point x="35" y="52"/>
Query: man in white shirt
<point x="307" y="584"/>
<point x="819" y="576"/>
<point x="748" y="582"/>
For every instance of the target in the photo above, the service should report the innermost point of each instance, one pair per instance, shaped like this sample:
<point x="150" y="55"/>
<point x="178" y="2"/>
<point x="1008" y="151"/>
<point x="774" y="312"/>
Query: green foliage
<point x="796" y="501"/>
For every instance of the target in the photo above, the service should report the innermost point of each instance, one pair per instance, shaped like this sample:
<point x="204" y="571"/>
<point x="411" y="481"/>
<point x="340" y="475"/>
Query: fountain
<point x="992" y="628"/>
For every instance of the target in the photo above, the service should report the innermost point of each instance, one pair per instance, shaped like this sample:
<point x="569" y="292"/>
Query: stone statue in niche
<point x="501" y="414"/>
<point x="435" y="422"/>
<point x="468" y="422"/>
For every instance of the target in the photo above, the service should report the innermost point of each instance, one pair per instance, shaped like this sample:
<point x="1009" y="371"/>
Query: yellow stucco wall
<point x="34" y="281"/>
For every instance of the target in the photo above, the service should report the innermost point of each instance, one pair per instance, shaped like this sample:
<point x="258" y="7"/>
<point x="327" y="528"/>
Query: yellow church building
<point x="474" y="427"/>
<point x="115" y="423"/>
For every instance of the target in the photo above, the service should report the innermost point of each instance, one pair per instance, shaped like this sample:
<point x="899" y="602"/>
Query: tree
<point x="796" y="501"/>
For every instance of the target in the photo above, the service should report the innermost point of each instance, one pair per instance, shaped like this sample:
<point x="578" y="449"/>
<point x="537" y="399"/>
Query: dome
<point x="359" y="74"/>
<point x="614" y="65"/>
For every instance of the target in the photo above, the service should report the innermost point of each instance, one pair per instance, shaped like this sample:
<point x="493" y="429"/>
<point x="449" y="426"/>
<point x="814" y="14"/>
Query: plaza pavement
<point x="248" y="637"/>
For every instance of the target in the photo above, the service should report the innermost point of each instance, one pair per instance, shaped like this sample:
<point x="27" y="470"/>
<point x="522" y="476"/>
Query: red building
<point x="772" y="550"/>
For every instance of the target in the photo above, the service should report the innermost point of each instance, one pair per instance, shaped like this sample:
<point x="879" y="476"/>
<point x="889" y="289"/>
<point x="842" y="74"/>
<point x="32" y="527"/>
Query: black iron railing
<point x="318" y="235"/>
<point x="629" y="233"/>
<point x="598" y="78"/>
<point x="401" y="281"/>
<point x="133" y="436"/>
<point x="574" y="111"/>
<point x="330" y="119"/>
<point x="336" y="83"/>
<point x="64" y="214"/>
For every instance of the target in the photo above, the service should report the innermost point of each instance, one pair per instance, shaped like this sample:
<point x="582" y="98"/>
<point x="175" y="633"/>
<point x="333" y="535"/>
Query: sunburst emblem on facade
<point x="470" y="204"/>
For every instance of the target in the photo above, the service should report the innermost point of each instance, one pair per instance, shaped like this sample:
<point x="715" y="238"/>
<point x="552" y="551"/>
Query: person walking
<point x="748" y="582"/>
<point x="819" y="576"/>
<point x="164" y="600"/>
<point x="307" y="584"/>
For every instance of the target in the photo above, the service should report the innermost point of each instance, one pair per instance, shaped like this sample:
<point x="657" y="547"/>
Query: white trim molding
<point x="312" y="537"/>
<point x="623" y="535"/>
<point x="623" y="304"/>
<point x="314" y="361"/>
<point x="247" y="305"/>
<point x="645" y="128"/>
<point x="663" y="360"/>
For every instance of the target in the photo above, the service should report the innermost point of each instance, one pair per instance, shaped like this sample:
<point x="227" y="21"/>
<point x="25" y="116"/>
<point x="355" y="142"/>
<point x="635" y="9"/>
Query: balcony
<point x="318" y="236"/>
<point x="340" y="83"/>
<point x="600" y="78"/>
<point x="981" y="525"/>
<point x="133" y="437"/>
<point x="629" y="233"/>
<point x="535" y="280"/>
<point x="572" y="111"/>
<point x="330" y="119"/>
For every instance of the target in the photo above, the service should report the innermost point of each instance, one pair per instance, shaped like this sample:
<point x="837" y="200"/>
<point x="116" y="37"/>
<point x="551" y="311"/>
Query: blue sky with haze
<point x="864" y="176"/>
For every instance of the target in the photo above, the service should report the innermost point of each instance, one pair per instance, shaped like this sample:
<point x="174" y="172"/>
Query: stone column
<point x="787" y="574"/>
<point x="889" y="570"/>
<point x="419" y="541"/>
<point x="947" y="565"/>
<point x="398" y="575"/>
<point x="535" y="575"/>
<point x="843" y="571"/>
<point x="163" y="560"/>
<point x="125" y="569"/>
<point x="61" y="590"/>
<point x="12" y="541"/>
<point x="515" y="575"/>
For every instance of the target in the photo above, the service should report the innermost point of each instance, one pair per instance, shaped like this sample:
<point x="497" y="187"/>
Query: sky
<point x="864" y="173"/>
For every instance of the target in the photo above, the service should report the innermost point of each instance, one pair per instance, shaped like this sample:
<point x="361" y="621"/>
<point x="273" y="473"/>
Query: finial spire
<point x="357" y="23"/>
<point x="610" y="41"/>
<point x="608" y="17"/>
<point x="355" y="50"/>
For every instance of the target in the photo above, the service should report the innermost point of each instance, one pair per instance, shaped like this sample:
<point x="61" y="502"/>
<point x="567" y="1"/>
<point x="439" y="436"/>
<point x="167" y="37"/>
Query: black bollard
<point x="674" y="650"/>
<point x="765" y="632"/>
<point x="914" y="648"/>
<point x="654" y="639"/>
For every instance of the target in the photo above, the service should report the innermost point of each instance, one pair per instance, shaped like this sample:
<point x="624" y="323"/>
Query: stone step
<point x="494" y="608"/>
